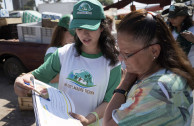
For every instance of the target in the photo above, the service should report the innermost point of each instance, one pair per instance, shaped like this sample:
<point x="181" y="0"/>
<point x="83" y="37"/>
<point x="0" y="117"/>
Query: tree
<point x="181" y="1"/>
<point x="29" y="5"/>
<point x="106" y="2"/>
<point x="0" y="4"/>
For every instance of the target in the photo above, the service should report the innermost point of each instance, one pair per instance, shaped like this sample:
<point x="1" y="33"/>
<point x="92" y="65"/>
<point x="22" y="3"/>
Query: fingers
<point x="74" y="115"/>
<point x="20" y="91"/>
<point x="189" y="36"/>
<point x="187" y="33"/>
<point x="81" y="118"/>
<point x="20" y="88"/>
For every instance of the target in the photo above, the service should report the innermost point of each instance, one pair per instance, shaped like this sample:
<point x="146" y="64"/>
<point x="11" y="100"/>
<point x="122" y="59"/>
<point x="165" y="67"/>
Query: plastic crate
<point x="34" y="32"/>
<point x="46" y="35"/>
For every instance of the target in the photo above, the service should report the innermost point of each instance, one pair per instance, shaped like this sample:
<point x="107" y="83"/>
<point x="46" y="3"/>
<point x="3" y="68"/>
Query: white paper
<point x="56" y="111"/>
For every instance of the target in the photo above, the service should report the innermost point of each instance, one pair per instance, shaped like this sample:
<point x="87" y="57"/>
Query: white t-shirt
<point x="83" y="78"/>
<point x="88" y="79"/>
<point x="51" y="50"/>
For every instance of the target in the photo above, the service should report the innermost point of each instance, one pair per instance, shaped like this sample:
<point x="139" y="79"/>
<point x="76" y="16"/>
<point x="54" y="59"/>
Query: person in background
<point x="157" y="88"/>
<point x="90" y="65"/>
<point x="109" y="20"/>
<point x="61" y="36"/>
<point x="180" y="22"/>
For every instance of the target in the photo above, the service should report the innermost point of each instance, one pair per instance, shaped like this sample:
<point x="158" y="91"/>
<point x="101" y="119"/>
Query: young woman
<point x="62" y="35"/>
<point x="157" y="89"/>
<point x="182" y="28"/>
<point x="88" y="69"/>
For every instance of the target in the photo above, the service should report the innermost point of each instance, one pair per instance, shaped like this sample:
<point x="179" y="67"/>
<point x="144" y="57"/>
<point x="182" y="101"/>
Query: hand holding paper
<point x="55" y="111"/>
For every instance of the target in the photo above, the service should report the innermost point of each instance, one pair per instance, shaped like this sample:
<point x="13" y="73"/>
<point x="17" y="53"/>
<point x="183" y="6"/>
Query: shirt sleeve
<point x="191" y="29"/>
<point x="155" y="104"/>
<point x="47" y="56"/>
<point x="49" y="69"/>
<point x="114" y="80"/>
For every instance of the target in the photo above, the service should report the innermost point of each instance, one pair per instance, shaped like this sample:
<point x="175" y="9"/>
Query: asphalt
<point x="10" y="114"/>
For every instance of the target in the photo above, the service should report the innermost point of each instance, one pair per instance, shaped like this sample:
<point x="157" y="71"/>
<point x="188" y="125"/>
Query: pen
<point x="40" y="94"/>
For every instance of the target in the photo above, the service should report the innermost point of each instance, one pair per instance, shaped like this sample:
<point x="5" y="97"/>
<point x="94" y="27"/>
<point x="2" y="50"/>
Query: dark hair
<point x="106" y="43"/>
<point x="154" y="29"/>
<point x="186" y="24"/>
<point x="57" y="37"/>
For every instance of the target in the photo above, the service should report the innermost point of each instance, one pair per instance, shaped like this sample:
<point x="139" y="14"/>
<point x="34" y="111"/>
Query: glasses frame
<point x="125" y="57"/>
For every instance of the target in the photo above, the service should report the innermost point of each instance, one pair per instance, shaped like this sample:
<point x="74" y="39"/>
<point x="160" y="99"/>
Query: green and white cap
<point x="87" y="14"/>
<point x="65" y="21"/>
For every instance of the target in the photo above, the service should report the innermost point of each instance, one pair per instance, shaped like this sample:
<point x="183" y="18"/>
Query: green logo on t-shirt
<point x="81" y="78"/>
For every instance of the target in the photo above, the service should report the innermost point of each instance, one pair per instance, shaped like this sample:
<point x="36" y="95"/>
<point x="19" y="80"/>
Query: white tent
<point x="61" y="8"/>
<point x="126" y="9"/>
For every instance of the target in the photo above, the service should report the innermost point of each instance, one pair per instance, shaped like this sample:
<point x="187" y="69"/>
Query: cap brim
<point x="171" y="16"/>
<point x="85" y="24"/>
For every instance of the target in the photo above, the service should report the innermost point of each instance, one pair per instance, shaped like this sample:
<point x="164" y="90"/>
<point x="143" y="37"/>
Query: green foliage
<point x="29" y="5"/>
<point x="181" y="1"/>
<point x="0" y="4"/>
<point x="106" y="2"/>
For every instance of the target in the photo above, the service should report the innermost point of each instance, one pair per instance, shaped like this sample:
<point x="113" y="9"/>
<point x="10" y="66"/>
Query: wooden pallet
<point x="25" y="103"/>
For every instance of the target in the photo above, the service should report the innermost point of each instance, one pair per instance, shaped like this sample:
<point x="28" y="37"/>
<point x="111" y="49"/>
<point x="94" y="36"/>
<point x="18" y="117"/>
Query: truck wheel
<point x="13" y="68"/>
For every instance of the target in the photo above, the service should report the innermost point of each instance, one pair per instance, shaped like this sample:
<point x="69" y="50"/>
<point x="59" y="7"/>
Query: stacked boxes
<point x="50" y="20"/>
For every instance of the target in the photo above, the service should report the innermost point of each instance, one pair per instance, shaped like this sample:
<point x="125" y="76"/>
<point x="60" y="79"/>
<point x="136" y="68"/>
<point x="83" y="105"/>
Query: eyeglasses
<point x="125" y="57"/>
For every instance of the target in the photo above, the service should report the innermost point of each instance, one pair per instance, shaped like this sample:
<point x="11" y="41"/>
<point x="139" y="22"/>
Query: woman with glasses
<point x="158" y="84"/>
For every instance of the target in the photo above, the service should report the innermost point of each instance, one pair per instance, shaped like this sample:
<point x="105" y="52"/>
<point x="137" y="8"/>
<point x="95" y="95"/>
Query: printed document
<point x="55" y="111"/>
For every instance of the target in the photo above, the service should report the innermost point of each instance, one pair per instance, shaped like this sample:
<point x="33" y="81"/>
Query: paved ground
<point x="10" y="115"/>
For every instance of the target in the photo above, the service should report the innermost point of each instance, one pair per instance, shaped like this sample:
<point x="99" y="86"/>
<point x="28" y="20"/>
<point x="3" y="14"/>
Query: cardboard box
<point x="7" y="21"/>
<point x="49" y="23"/>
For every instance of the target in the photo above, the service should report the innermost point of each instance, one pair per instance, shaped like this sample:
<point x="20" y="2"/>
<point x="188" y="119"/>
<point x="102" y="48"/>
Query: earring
<point x="154" y="57"/>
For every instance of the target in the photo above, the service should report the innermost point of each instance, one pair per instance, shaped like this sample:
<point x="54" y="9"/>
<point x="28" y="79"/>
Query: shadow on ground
<point x="10" y="114"/>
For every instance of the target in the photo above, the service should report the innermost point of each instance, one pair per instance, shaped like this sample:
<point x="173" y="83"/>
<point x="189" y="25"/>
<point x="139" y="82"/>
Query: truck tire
<point x="13" y="68"/>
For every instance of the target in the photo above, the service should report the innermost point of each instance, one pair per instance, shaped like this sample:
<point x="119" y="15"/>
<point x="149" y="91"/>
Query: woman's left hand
<point x="189" y="36"/>
<point x="82" y="118"/>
